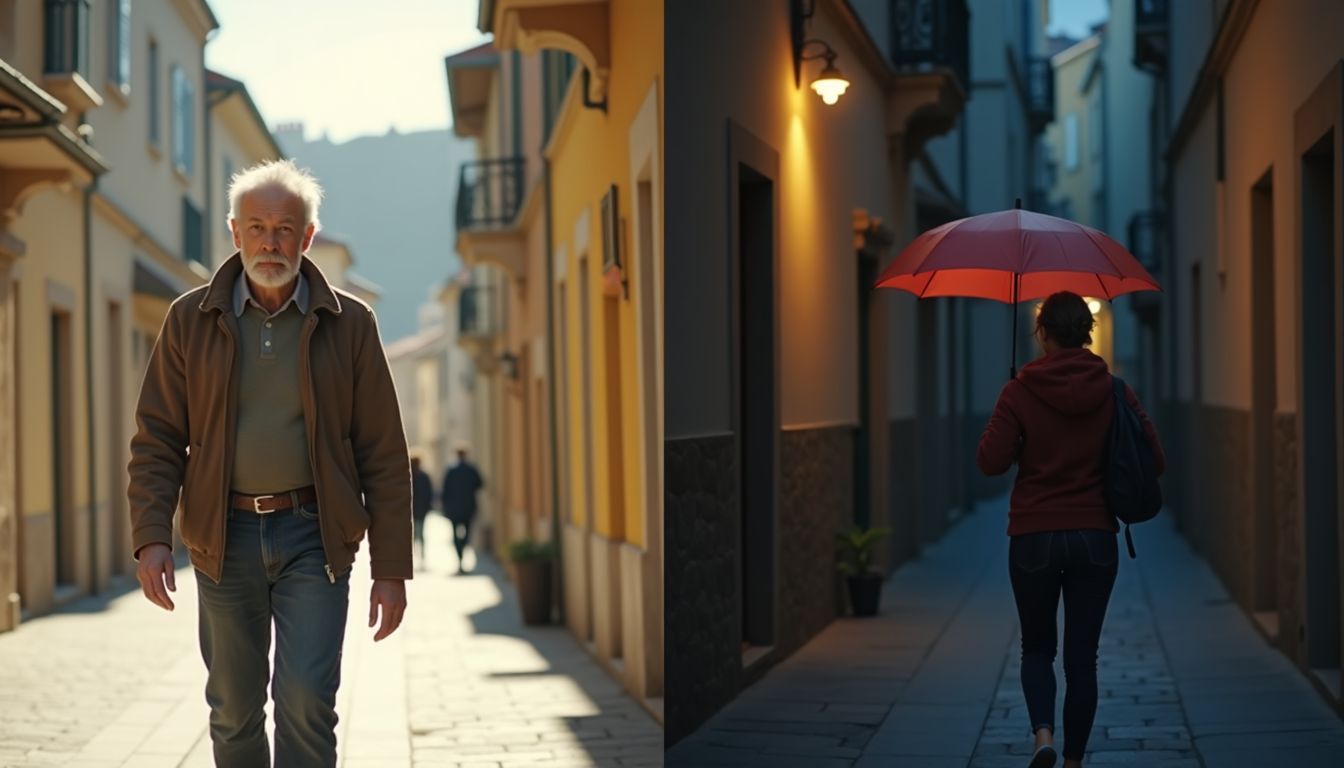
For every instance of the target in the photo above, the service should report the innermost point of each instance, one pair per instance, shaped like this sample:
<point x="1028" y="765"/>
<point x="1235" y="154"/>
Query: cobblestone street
<point x="115" y="681"/>
<point x="932" y="682"/>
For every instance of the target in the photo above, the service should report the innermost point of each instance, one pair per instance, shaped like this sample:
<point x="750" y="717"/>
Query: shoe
<point x="1044" y="758"/>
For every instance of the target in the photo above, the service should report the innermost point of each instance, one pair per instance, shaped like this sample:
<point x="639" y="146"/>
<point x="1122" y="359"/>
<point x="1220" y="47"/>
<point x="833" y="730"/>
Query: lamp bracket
<point x="801" y="12"/>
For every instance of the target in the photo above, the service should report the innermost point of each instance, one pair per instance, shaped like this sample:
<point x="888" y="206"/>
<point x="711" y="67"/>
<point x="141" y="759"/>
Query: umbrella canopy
<point x="989" y="255"/>
<point x="1013" y="256"/>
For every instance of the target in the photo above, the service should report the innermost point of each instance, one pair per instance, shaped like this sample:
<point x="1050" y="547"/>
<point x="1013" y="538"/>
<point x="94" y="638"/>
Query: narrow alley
<point x="1185" y="680"/>
<point x="115" y="681"/>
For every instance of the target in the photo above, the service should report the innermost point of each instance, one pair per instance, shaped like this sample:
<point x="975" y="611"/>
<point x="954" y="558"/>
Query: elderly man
<point x="269" y="404"/>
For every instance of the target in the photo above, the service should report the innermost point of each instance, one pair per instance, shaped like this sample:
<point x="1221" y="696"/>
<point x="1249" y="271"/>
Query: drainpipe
<point x="557" y="589"/>
<point x="88" y="377"/>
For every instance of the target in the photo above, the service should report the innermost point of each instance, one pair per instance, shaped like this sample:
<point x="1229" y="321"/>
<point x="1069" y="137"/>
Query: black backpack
<point x="1133" y="494"/>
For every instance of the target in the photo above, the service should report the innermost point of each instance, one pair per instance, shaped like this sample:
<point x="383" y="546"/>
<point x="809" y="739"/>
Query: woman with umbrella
<point x="1051" y="420"/>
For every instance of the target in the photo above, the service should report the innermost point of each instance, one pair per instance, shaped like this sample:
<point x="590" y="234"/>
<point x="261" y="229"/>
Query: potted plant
<point x="855" y="562"/>
<point x="532" y="562"/>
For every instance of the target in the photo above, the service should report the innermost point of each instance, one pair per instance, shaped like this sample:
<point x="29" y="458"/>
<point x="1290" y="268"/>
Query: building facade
<point x="113" y="144"/>
<point x="1250" y="154"/>
<point x="792" y="387"/>
<point x="563" y="213"/>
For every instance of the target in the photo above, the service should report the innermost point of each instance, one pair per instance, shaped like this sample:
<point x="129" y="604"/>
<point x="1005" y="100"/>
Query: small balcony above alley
<point x="1040" y="91"/>
<point x="930" y="51"/>
<point x="1150" y="35"/>
<point x="489" y="198"/>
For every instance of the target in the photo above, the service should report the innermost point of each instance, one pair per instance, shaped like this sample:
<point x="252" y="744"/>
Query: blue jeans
<point x="1082" y="564"/>
<point x="274" y="573"/>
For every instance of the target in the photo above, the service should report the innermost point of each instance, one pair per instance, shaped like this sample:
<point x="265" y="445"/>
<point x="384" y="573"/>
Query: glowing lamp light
<point x="830" y="84"/>
<point x="1094" y="306"/>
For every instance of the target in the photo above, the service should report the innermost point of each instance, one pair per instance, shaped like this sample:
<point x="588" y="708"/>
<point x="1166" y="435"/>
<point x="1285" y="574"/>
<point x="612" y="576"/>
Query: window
<point x="1071" y="141"/>
<point x="193" y="242"/>
<point x="184" y="122"/>
<point x="153" y="79"/>
<point x="67" y="25"/>
<point x="119" y="44"/>
<point x="556" y="69"/>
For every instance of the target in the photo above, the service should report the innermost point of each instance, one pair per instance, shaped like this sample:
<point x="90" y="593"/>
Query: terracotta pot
<point x="534" y="590"/>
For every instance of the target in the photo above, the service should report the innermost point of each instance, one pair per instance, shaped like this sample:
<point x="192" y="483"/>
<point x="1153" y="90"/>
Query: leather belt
<point x="273" y="502"/>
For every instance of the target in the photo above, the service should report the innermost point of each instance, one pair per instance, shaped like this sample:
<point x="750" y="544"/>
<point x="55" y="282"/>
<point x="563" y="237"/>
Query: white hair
<point x="278" y="173"/>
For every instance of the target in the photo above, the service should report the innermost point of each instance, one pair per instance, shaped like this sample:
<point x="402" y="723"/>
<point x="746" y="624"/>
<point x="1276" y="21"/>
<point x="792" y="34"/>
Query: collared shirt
<point x="271" y="448"/>
<point x="242" y="294"/>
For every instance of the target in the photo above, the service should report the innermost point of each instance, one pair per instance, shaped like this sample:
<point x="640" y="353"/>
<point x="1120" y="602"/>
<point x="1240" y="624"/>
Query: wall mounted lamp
<point x="830" y="84"/>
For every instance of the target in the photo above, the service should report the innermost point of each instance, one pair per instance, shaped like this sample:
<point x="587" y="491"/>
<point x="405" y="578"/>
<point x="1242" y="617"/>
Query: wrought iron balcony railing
<point x="931" y="33"/>
<point x="489" y="193"/>
<point x="477" y="314"/>
<point x="1151" y="34"/>
<point x="1040" y="91"/>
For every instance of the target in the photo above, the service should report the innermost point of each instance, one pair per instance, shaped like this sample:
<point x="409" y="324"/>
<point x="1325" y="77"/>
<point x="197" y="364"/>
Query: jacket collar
<point x="219" y="294"/>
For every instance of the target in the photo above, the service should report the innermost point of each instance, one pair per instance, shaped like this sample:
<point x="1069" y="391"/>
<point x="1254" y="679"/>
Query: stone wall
<point x="1288" y="522"/>
<point x="816" y="499"/>
<point x="702" y="621"/>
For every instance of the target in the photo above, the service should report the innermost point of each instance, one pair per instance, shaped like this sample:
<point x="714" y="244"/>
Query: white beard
<point x="270" y="272"/>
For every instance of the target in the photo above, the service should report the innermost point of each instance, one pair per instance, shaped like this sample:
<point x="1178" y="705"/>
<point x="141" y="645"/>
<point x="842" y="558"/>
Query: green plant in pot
<point x="532" y="562"/>
<point x="855" y="550"/>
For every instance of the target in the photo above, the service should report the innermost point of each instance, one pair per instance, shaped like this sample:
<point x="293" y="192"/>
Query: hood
<point x="1072" y="381"/>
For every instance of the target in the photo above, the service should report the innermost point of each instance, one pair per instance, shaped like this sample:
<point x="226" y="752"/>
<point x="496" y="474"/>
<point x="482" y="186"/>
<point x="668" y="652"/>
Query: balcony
<point x="1040" y="92"/>
<point x="37" y="150"/>
<point x="479" y="324"/>
<point x="930" y="44"/>
<point x="489" y="198"/>
<point x="66" y="54"/>
<point x="1151" y="35"/>
<point x="1147" y="237"/>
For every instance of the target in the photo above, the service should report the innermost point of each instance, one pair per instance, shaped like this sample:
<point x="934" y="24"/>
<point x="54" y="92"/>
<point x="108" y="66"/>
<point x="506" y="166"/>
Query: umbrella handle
<point x="1012" y="368"/>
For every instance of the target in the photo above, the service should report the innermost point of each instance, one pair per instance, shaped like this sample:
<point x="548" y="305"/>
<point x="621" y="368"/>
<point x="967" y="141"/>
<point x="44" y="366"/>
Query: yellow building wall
<point x="590" y="152"/>
<point x="52" y="228"/>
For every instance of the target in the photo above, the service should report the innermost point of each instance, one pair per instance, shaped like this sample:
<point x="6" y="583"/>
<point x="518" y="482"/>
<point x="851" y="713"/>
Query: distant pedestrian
<point x="1052" y="421"/>
<point x="460" y="484"/>
<point x="268" y="410"/>
<point x="422" y="498"/>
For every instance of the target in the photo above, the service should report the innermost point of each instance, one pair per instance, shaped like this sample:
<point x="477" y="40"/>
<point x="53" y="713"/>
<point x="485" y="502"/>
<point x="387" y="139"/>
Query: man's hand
<point x="390" y="595"/>
<point x="155" y="572"/>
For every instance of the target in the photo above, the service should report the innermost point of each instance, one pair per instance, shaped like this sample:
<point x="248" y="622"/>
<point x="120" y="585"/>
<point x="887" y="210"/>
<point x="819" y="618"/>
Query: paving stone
<point x="463" y="682"/>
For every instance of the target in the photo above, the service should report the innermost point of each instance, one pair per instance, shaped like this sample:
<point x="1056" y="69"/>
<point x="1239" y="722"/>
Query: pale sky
<point x="1076" y="17"/>
<point x="345" y="67"/>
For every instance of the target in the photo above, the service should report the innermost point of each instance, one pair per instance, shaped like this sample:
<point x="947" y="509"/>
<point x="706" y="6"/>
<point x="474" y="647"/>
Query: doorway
<point x="1265" y="555"/>
<point x="758" y="406"/>
<point x="64" y="532"/>
<point x="1320" y="393"/>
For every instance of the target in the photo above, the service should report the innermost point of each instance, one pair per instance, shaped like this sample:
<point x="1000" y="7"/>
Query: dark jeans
<point x="461" y="535"/>
<point x="1082" y="564"/>
<point x="274" y="572"/>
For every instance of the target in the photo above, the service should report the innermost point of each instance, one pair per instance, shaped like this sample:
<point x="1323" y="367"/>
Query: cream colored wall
<point x="51" y="226"/>
<point x="143" y="181"/>
<point x="28" y="25"/>
<point x="1279" y="63"/>
<point x="1279" y="83"/>
<point x="832" y="160"/>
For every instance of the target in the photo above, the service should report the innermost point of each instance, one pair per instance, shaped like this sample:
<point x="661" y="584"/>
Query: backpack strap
<point x="1129" y="541"/>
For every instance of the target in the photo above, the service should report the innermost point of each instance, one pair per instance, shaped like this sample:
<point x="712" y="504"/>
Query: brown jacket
<point x="355" y="439"/>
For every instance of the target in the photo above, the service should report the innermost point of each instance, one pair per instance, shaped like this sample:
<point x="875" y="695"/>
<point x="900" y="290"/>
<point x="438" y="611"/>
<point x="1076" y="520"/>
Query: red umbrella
<point x="1014" y="256"/>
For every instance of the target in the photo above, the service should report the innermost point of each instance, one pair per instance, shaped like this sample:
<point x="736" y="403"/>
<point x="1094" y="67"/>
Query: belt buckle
<point x="256" y="504"/>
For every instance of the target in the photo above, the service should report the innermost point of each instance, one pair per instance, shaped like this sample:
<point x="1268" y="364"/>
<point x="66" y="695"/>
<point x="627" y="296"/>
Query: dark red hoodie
<point x="1052" y="420"/>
